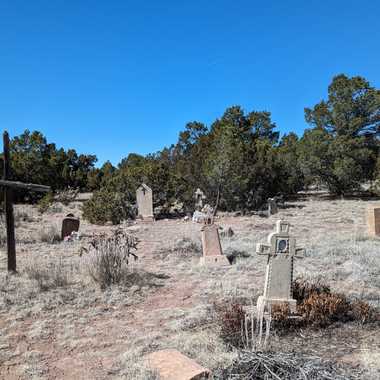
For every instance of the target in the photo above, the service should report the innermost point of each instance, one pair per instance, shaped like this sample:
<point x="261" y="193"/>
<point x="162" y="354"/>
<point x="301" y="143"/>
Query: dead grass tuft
<point x="50" y="235"/>
<point x="48" y="276"/>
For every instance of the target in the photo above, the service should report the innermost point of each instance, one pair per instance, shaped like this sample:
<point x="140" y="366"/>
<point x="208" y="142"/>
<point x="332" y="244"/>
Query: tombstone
<point x="373" y="219"/>
<point x="272" y="206"/>
<point x="281" y="251"/>
<point x="144" y="198"/>
<point x="212" y="250"/>
<point x="199" y="198"/>
<point x="70" y="224"/>
<point x="172" y="365"/>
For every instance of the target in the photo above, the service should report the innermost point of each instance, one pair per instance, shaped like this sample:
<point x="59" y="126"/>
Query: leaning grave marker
<point x="144" y="197"/>
<point x="281" y="251"/>
<point x="211" y="247"/>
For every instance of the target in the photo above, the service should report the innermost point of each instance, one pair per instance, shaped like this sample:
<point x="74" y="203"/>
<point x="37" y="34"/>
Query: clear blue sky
<point x="114" y="77"/>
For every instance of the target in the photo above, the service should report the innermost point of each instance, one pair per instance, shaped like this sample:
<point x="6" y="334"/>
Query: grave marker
<point x="144" y="197"/>
<point x="373" y="219"/>
<point x="8" y="200"/>
<point x="281" y="251"/>
<point x="272" y="206"/>
<point x="172" y="365"/>
<point x="70" y="224"/>
<point x="211" y="247"/>
<point x="199" y="198"/>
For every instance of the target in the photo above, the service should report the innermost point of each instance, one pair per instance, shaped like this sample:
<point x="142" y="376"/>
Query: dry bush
<point x="319" y="307"/>
<point x="323" y="309"/>
<point x="108" y="257"/>
<point x="48" y="275"/>
<point x="49" y="235"/>
<point x="278" y="365"/>
<point x="236" y="326"/>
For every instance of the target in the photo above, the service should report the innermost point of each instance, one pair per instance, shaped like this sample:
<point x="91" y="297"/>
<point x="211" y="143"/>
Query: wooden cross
<point x="8" y="200"/>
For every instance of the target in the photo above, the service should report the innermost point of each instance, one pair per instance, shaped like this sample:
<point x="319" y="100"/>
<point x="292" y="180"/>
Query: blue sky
<point x="114" y="77"/>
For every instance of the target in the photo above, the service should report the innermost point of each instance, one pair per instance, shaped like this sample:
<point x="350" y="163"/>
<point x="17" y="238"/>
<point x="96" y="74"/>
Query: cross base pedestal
<point x="147" y="219"/>
<point x="263" y="302"/>
<point x="219" y="260"/>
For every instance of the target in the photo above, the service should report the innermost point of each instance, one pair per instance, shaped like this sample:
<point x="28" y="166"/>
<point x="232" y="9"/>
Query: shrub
<point x="45" y="202"/>
<point x="67" y="196"/>
<point x="48" y="275"/>
<point x="108" y="257"/>
<point x="107" y="206"/>
<point x="236" y="326"/>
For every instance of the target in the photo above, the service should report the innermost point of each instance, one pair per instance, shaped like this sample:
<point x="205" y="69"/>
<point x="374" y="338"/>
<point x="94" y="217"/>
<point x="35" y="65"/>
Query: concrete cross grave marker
<point x="144" y="197"/>
<point x="9" y="186"/>
<point x="281" y="251"/>
<point x="211" y="247"/>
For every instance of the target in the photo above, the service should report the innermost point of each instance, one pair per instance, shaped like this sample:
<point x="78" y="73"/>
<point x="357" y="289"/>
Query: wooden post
<point x="11" y="242"/>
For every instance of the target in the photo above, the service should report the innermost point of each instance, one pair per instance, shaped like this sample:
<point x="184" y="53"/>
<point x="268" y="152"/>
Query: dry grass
<point x="49" y="234"/>
<point x="48" y="275"/>
<point x="104" y="333"/>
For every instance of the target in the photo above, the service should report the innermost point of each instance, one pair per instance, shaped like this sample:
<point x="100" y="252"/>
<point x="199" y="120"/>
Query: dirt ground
<point x="78" y="331"/>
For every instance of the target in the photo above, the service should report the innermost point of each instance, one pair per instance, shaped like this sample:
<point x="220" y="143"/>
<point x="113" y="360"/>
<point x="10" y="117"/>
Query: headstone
<point x="199" y="198"/>
<point x="373" y="219"/>
<point x="144" y="199"/>
<point x="281" y="251"/>
<point x="172" y="365"/>
<point x="272" y="206"/>
<point x="212" y="250"/>
<point x="70" y="224"/>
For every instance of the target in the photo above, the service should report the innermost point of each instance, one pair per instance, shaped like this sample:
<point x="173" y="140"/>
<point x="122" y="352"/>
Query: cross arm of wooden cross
<point x="25" y="186"/>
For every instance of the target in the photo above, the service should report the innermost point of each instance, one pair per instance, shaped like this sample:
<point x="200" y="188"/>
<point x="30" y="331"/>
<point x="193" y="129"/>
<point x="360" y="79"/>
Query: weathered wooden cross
<point x="8" y="201"/>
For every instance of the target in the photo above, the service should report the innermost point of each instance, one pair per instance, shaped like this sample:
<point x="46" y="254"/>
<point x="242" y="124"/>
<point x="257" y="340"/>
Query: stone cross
<point x="144" y="197"/>
<point x="199" y="198"/>
<point x="9" y="186"/>
<point x="281" y="251"/>
<point x="211" y="247"/>
<point x="373" y="219"/>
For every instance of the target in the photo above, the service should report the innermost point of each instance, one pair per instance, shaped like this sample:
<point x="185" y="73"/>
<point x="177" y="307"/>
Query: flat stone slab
<point x="172" y="365"/>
